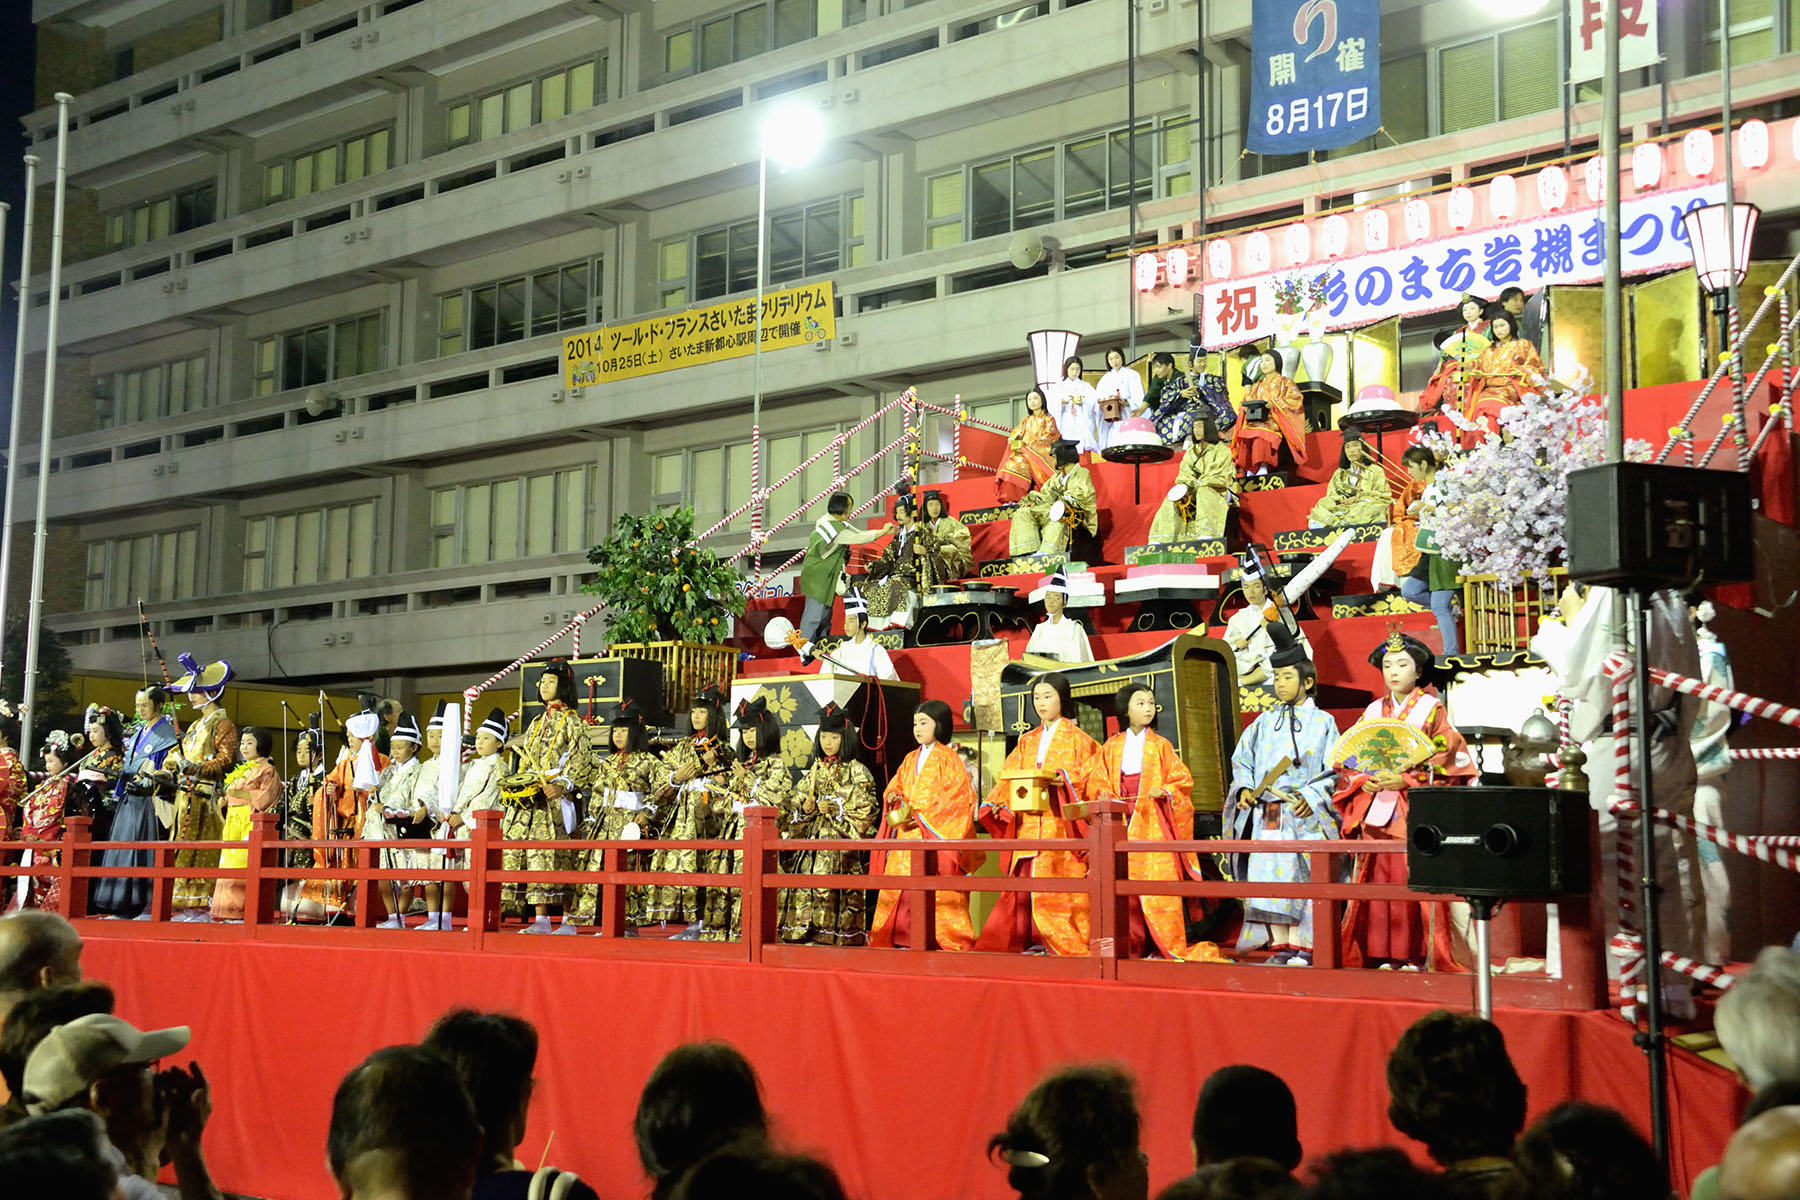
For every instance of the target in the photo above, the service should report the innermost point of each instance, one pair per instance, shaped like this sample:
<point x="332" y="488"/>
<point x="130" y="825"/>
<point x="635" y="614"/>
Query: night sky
<point x="17" y="46"/>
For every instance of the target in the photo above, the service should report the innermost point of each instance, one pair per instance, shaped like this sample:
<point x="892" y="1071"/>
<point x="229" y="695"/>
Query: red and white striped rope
<point x="1737" y="391"/>
<point x="1765" y="753"/>
<point x="1627" y="945"/>
<point x="1742" y="701"/>
<point x="1707" y="973"/>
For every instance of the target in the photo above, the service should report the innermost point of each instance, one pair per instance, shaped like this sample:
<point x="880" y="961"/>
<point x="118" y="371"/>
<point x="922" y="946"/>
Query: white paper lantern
<point x="1418" y="219"/>
<point x="1375" y="229"/>
<point x="1218" y="258"/>
<point x="1462" y="207"/>
<point x="1297" y="238"/>
<point x="1334" y="235"/>
<point x="1256" y="253"/>
<point x="1503" y="197"/>
<point x="1753" y="144"/>
<point x="1553" y="188"/>
<point x="1593" y="179"/>
<point x="1144" y="271"/>
<point x="1646" y="166"/>
<point x="1175" y="267"/>
<point x="1697" y="152"/>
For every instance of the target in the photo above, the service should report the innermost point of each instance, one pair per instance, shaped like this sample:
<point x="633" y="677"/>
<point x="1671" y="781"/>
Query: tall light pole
<point x="792" y="136"/>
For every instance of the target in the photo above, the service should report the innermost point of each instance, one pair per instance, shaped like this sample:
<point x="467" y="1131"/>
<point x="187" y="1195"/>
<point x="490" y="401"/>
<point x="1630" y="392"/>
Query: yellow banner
<point x="791" y="317"/>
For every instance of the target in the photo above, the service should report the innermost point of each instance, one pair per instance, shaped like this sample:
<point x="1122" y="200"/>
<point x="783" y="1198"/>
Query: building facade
<point x="321" y="256"/>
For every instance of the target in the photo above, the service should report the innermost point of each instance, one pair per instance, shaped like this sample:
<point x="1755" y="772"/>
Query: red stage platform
<point x="898" y="1079"/>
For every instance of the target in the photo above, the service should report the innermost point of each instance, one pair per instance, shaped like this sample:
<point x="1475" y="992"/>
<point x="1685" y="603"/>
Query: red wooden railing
<point x="1107" y="886"/>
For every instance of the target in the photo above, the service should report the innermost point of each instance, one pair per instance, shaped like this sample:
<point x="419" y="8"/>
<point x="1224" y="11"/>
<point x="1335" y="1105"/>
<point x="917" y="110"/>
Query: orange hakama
<point x="1162" y="811"/>
<point x="942" y="804"/>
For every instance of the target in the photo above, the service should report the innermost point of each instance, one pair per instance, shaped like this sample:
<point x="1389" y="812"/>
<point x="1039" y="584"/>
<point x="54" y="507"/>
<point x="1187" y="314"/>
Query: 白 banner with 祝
<point x="1638" y="46"/>
<point x="1315" y="74"/>
<point x="1431" y="276"/>
<point x="794" y="316"/>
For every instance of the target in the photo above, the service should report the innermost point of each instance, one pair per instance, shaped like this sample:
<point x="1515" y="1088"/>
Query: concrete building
<point x="396" y="208"/>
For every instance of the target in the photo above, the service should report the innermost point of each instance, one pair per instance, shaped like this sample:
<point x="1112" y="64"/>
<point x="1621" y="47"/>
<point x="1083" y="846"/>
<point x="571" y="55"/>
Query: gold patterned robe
<point x="685" y="816"/>
<point x="1028" y="462"/>
<point x="553" y="748"/>
<point x="1032" y="529"/>
<point x="842" y="795"/>
<point x="1356" y="495"/>
<point x="902" y="572"/>
<point x="763" y="780"/>
<point x="201" y="761"/>
<point x="624" y="783"/>
<point x="1207" y="472"/>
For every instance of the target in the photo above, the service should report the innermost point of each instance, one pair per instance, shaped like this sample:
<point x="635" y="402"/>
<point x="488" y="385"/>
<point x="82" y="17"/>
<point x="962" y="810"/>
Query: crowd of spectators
<point x="90" y="1113"/>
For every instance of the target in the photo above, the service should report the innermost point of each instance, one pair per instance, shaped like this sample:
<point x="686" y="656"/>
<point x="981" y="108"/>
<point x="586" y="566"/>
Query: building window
<point x="1405" y="106"/>
<point x="314" y="545"/>
<point x="524" y="102"/>
<point x="508" y="310"/>
<point x="164" y="390"/>
<point x="803" y="242"/>
<point x="1757" y="28"/>
<point x="1496" y="78"/>
<point x="325" y="167"/>
<point x="525" y="517"/>
<point x="159" y="218"/>
<point x="707" y="477"/>
<point x="719" y="41"/>
<point x="304" y="357"/>
<point x="1047" y="183"/>
<point x="148" y="566"/>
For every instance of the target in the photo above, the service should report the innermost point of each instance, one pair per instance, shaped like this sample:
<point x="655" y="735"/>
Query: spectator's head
<point x="1245" y="1112"/>
<point x="1762" y="1160"/>
<point x="1758" y="1019"/>
<point x="1235" y="1179"/>
<point x="37" y="949"/>
<point x="1581" y="1151"/>
<point x="62" y="1154"/>
<point x="1075" y="1135"/>
<point x="1452" y="1087"/>
<point x="103" y="1064"/>
<point x="1383" y="1173"/>
<point x="36" y="1014"/>
<point x="494" y="1054"/>
<point x="750" y="1170"/>
<point x="402" y="1126"/>
<point x="700" y="1097"/>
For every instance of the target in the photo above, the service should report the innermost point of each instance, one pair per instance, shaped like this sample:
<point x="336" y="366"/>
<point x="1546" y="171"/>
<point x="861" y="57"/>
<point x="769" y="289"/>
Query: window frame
<point x="503" y="97"/>
<point x="693" y="31"/>
<point x="268" y="355"/>
<point x="666" y="500"/>
<point x="115" y="570"/>
<point x="1436" y="80"/>
<point x="289" y="164"/>
<point x="121" y="226"/>
<point x="262" y="558"/>
<point x="164" y="372"/>
<point x="852" y="235"/>
<point x="453" y="533"/>
<point x="464" y="300"/>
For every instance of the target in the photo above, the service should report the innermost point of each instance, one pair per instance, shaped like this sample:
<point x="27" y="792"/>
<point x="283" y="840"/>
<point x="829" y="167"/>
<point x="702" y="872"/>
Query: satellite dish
<point x="319" y="402"/>
<point x="1026" y="249"/>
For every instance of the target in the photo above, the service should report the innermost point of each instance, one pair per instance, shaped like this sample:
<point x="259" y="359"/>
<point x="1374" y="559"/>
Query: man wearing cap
<point x="858" y="653"/>
<point x="199" y="763"/>
<point x="1059" y="636"/>
<point x="103" y="1064"/>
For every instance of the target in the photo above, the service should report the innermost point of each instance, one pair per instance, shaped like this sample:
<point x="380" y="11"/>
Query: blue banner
<point x="1315" y="74"/>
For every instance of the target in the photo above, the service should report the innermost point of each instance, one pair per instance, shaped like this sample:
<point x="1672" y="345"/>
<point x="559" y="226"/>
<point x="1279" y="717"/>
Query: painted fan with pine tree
<point x="1381" y="744"/>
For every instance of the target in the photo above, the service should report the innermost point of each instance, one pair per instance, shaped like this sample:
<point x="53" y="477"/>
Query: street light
<point x="1721" y="250"/>
<point x="792" y="135"/>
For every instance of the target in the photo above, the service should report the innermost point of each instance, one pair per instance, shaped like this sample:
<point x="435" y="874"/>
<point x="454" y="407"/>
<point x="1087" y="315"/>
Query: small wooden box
<point x="1112" y="408"/>
<point x="1028" y="791"/>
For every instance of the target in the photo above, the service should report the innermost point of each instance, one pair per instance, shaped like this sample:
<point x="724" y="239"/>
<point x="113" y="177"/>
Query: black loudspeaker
<point x="1506" y="843"/>
<point x="1638" y="525"/>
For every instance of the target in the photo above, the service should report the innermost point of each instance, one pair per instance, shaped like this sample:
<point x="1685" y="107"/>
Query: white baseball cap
<point x="89" y="1048"/>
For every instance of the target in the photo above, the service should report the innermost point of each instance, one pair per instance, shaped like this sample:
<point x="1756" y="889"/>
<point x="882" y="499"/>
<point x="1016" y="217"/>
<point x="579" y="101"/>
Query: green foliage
<point x="53" y="699"/>
<point x="658" y="587"/>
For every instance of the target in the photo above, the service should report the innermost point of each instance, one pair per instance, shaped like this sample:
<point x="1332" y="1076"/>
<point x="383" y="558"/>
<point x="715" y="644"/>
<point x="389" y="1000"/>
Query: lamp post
<point x="1719" y="238"/>
<point x="791" y="135"/>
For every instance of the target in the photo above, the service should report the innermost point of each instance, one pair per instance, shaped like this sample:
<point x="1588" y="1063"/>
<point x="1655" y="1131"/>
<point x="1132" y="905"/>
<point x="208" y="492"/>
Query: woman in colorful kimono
<point x="692" y="768"/>
<point x="1281" y="781"/>
<point x="930" y="798"/>
<point x="91" y="795"/>
<point x="199" y="764"/>
<point x="1499" y="377"/>
<point x="1459" y="348"/>
<point x="947" y="539"/>
<point x="1200" y="500"/>
<point x="1358" y="492"/>
<point x="1027" y="463"/>
<point x="1408" y="934"/>
<point x="759" y="775"/>
<point x="41" y="821"/>
<point x="398" y="812"/>
<point x="623" y="783"/>
<point x="555" y="766"/>
<point x="1139" y="765"/>
<point x="252" y="787"/>
<point x="140" y="786"/>
<point x="1044" y="922"/>
<point x="1272" y="414"/>
<point x="834" y="799"/>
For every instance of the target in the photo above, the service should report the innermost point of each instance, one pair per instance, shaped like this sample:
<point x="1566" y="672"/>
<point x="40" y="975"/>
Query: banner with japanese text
<point x="1431" y="276"/>
<point x="1638" y="43"/>
<point x="1315" y="74"/>
<point x="794" y="316"/>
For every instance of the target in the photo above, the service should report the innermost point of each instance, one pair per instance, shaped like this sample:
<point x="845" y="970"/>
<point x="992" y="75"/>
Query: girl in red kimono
<point x="1140" y="765"/>
<point x="42" y="820"/>
<point x="1499" y="377"/>
<point x="1273" y="413"/>
<point x="1027" y="463"/>
<point x="1055" y="921"/>
<point x="1458" y="348"/>
<point x="1406" y="934"/>
<point x="929" y="798"/>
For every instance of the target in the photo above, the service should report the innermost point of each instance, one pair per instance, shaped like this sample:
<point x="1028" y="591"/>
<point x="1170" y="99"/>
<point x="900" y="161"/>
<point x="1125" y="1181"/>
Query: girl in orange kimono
<point x="1498" y="377"/>
<point x="1140" y="765"/>
<point x="1056" y="921"/>
<point x="1027" y="463"/>
<point x="929" y="798"/>
<point x="1459" y="348"/>
<point x="1256" y="443"/>
<point x="1399" y="933"/>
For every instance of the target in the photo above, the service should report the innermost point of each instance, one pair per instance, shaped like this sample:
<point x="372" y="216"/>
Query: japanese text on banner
<point x="1638" y="45"/>
<point x="791" y="317"/>
<point x="1432" y="276"/>
<point x="1315" y="74"/>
